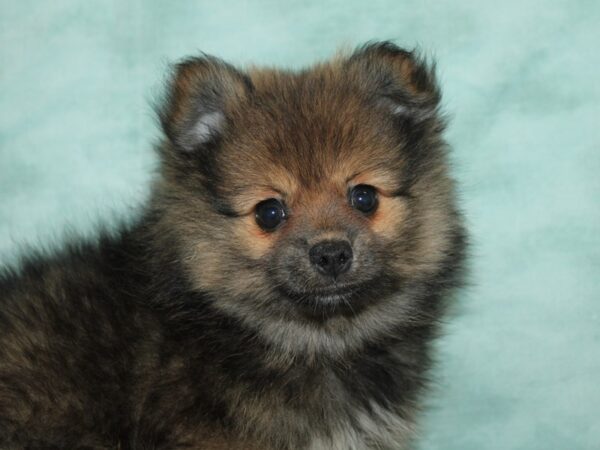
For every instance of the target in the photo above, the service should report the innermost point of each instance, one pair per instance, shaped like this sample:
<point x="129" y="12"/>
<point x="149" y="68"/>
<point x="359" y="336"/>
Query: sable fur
<point x="194" y="328"/>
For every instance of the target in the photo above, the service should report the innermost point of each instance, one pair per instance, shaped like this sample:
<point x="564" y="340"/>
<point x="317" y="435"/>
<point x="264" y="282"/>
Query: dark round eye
<point x="364" y="198"/>
<point x="269" y="214"/>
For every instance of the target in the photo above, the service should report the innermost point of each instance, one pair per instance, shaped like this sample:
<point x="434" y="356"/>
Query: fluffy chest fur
<point x="250" y="391"/>
<point x="348" y="422"/>
<point x="329" y="416"/>
<point x="376" y="429"/>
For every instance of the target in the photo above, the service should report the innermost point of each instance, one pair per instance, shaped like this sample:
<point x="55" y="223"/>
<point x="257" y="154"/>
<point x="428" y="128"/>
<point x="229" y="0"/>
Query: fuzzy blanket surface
<point x="519" y="365"/>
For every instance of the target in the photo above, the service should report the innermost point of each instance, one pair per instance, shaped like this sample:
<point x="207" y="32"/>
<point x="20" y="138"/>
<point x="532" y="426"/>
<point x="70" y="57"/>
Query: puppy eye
<point x="269" y="214"/>
<point x="364" y="198"/>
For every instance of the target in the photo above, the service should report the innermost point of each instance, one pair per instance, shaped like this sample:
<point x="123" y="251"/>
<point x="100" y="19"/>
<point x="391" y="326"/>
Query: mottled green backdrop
<point x="519" y="367"/>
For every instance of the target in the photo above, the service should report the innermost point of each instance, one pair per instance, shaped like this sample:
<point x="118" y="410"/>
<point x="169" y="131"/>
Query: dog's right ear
<point x="200" y="94"/>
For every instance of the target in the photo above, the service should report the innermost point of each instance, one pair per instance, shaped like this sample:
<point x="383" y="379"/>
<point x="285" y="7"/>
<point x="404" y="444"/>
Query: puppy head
<point x="314" y="199"/>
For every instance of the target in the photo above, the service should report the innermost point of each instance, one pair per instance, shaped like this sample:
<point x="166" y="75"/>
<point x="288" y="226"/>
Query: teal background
<point x="519" y="365"/>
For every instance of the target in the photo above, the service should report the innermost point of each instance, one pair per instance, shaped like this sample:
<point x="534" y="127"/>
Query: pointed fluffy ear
<point x="400" y="80"/>
<point x="201" y="93"/>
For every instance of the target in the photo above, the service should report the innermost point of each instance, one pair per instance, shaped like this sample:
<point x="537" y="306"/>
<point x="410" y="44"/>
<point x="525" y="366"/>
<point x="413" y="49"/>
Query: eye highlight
<point x="364" y="198"/>
<point x="270" y="214"/>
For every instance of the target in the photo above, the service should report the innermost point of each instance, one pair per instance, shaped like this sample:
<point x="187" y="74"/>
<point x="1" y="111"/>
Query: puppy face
<point x="314" y="199"/>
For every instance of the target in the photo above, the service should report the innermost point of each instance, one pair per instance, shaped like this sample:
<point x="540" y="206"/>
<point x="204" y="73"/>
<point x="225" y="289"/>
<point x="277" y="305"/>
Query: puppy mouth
<point x="329" y="296"/>
<point x="334" y="293"/>
<point x="325" y="303"/>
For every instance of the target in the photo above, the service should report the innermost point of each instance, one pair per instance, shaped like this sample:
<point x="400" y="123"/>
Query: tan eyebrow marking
<point x="249" y="196"/>
<point x="385" y="185"/>
<point x="354" y="175"/>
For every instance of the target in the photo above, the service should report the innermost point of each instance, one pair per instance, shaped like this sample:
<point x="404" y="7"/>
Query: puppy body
<point x="201" y="325"/>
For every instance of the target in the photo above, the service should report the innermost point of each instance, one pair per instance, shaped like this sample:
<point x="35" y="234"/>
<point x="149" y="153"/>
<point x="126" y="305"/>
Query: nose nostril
<point x="331" y="258"/>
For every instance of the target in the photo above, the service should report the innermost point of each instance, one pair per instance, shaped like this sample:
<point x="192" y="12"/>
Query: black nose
<point x="331" y="257"/>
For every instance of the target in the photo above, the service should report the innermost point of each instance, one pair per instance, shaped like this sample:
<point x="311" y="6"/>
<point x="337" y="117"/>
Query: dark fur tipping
<point x="194" y="328"/>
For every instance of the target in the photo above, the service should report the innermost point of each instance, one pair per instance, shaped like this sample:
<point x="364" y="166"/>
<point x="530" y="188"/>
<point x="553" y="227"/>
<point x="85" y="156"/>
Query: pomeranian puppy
<point x="281" y="289"/>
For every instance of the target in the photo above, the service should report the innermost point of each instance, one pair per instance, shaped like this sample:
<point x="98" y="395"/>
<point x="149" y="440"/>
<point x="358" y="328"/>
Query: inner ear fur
<point x="200" y="94"/>
<point x="401" y="80"/>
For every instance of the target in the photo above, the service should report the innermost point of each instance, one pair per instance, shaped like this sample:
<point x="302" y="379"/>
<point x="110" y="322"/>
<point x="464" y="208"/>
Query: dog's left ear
<point x="200" y="95"/>
<point x="400" y="80"/>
